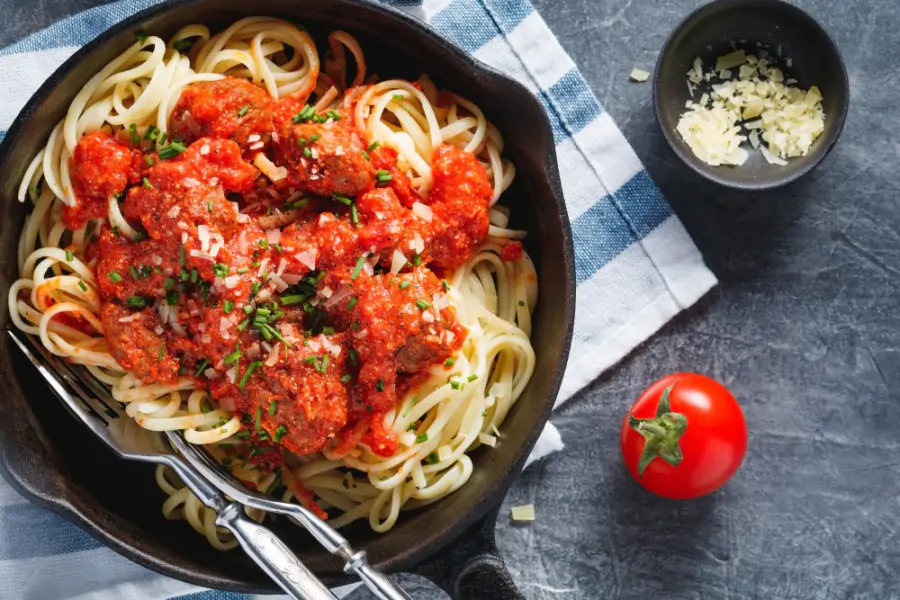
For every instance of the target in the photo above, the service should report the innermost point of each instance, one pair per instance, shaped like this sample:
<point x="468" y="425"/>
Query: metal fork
<point x="96" y="408"/>
<point x="354" y="562"/>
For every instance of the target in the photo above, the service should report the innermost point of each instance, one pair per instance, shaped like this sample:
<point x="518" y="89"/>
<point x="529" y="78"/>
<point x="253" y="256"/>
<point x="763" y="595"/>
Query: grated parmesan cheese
<point x="524" y="512"/>
<point x="268" y="168"/>
<point x="760" y="106"/>
<point x="639" y="75"/>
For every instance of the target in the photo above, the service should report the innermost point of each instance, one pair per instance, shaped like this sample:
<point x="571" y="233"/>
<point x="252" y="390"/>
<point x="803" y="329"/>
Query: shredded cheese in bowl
<point x="759" y="105"/>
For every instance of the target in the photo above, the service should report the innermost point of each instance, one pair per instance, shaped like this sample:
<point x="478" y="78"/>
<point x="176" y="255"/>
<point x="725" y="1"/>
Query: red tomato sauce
<point x="277" y="296"/>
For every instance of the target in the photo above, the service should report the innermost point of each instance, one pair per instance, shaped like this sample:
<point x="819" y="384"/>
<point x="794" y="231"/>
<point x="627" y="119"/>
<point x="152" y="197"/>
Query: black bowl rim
<point x="61" y="506"/>
<point x="671" y="136"/>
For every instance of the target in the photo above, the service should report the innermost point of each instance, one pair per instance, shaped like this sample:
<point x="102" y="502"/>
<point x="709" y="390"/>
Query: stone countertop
<point x="804" y="328"/>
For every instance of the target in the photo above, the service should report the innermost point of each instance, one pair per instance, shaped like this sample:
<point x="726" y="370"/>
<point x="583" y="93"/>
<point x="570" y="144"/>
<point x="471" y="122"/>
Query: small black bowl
<point x="719" y="28"/>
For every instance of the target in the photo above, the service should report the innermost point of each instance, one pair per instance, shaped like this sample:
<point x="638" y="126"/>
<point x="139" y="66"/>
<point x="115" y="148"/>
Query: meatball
<point x="325" y="161"/>
<point x="227" y="108"/>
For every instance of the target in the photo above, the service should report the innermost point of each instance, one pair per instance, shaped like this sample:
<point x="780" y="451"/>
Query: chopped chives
<point x="379" y="385"/>
<point x="246" y="376"/>
<point x="366" y="156"/>
<point x="227" y="306"/>
<point x="136" y="302"/>
<point x="280" y="433"/>
<point x="182" y="44"/>
<point x="450" y="362"/>
<point x="243" y="325"/>
<point x="244" y="110"/>
<point x="298" y="204"/>
<point x="433" y="459"/>
<point x="383" y="176"/>
<point x="323" y="366"/>
<point x="82" y="286"/>
<point x="328" y="331"/>
<point x="181" y="256"/>
<point x="310" y="359"/>
<point x="314" y="138"/>
<point x="292" y="299"/>
<point x="417" y="260"/>
<point x="220" y="269"/>
<point x="422" y="438"/>
<point x="233" y="357"/>
<point x="405" y="284"/>
<point x="352" y="302"/>
<point x="354" y="215"/>
<point x="277" y="247"/>
<point x="69" y="256"/>
<point x="358" y="268"/>
<point x="273" y="406"/>
<point x="446" y="285"/>
<point x="422" y="304"/>
<point x="346" y="378"/>
<point x="116" y="278"/>
<point x="172" y="298"/>
<point x="265" y="312"/>
<point x="141" y="37"/>
<point x="354" y="358"/>
<point x="307" y="152"/>
<point x="162" y="353"/>
<point x="147" y="184"/>
<point x="373" y="145"/>
<point x="303" y="141"/>
<point x="473" y="377"/>
<point x="149" y="160"/>
<point x="263" y="243"/>
<point x="242" y="434"/>
<point x="411" y="426"/>
<point x="454" y="384"/>
<point x="209" y="206"/>
<point x="194" y="275"/>
<point x="202" y="367"/>
<point x="333" y="114"/>
<point x="242" y="270"/>
<point x="134" y="273"/>
<point x="342" y="199"/>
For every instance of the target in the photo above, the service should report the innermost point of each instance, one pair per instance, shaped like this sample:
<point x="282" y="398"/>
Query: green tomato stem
<point x="662" y="434"/>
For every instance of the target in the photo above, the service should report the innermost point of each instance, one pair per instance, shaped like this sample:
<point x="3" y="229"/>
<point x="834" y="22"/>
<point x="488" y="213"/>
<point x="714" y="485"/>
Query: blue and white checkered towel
<point x="636" y="266"/>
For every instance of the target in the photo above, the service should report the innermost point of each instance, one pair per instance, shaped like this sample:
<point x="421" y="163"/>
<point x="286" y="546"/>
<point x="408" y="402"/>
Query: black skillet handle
<point x="471" y="568"/>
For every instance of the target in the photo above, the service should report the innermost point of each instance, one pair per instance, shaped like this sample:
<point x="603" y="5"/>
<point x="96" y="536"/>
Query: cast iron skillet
<point x="49" y="458"/>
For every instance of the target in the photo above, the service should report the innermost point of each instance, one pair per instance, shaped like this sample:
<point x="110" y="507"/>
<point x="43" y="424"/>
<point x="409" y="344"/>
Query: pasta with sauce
<point x="301" y="267"/>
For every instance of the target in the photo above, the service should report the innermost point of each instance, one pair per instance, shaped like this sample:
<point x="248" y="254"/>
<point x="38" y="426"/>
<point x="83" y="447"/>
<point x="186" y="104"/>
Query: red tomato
<point x="684" y="437"/>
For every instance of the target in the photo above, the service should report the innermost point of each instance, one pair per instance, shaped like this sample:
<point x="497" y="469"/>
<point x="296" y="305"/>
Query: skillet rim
<point x="433" y="542"/>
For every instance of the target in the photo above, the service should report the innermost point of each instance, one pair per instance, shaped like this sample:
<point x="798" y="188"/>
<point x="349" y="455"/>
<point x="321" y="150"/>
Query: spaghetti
<point x="302" y="268"/>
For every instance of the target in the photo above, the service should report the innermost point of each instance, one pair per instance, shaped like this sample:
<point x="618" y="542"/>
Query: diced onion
<point x="202" y="255"/>
<point x="338" y="296"/>
<point x="307" y="258"/>
<point x="423" y="211"/>
<point x="398" y="261"/>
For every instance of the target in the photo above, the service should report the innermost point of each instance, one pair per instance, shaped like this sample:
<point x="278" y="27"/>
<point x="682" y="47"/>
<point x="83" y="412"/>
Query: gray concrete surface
<point x="804" y="328"/>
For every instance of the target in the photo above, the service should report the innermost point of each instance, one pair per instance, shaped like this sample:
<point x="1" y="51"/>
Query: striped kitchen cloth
<point x="636" y="266"/>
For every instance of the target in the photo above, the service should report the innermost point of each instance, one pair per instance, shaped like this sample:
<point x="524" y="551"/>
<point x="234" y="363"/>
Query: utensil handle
<point x="471" y="567"/>
<point x="273" y="556"/>
<point x="380" y="584"/>
<point x="485" y="577"/>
